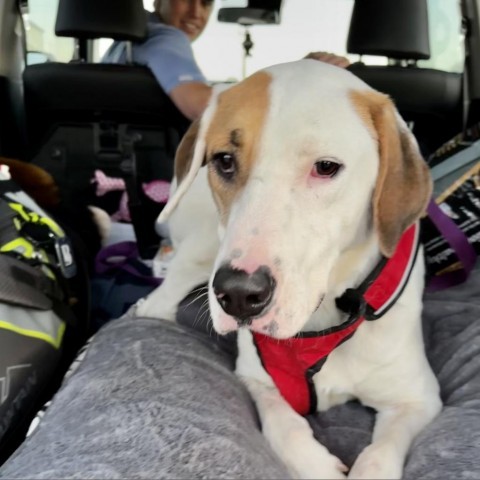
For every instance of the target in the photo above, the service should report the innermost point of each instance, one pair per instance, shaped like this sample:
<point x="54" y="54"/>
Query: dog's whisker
<point x="200" y="289"/>
<point x="206" y="312"/>
<point x="201" y="313"/>
<point x="195" y="298"/>
<point x="212" y="332"/>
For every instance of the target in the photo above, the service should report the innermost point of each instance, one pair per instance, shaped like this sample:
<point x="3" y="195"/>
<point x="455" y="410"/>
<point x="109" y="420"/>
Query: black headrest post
<point x="80" y="50"/>
<point x="391" y="28"/>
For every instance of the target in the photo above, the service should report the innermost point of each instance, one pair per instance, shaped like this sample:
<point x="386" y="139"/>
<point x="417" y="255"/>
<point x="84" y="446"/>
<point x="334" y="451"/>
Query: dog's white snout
<point x="243" y="295"/>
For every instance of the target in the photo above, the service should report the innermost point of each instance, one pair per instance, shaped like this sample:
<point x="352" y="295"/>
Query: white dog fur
<point x="318" y="235"/>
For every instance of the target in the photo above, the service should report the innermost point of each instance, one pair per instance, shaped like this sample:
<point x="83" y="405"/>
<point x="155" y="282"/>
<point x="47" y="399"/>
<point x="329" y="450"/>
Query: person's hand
<point x="331" y="58"/>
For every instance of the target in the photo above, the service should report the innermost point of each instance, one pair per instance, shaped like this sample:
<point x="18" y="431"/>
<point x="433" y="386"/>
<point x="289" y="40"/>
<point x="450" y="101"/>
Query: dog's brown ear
<point x="189" y="158"/>
<point x="404" y="185"/>
<point x="184" y="154"/>
<point x="191" y="154"/>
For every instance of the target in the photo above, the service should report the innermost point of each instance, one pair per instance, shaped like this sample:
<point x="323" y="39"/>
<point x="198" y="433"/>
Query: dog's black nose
<point x="243" y="295"/>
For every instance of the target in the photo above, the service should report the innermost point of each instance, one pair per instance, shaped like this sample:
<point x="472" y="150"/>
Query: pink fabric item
<point x="156" y="190"/>
<point x="107" y="184"/>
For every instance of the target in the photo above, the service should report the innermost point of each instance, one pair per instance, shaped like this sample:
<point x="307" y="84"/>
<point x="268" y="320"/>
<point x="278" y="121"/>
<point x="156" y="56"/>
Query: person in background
<point x="167" y="52"/>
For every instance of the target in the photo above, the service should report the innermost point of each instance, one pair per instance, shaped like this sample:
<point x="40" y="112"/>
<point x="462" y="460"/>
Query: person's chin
<point x="192" y="33"/>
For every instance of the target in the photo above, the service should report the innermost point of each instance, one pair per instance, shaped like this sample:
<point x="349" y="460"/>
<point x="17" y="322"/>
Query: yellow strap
<point x="20" y="210"/>
<point x="21" y="246"/>
<point x="34" y="217"/>
<point x="55" y="342"/>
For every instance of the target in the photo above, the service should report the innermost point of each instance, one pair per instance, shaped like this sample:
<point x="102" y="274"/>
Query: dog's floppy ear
<point x="191" y="153"/>
<point x="404" y="185"/>
<point x="188" y="160"/>
<point x="185" y="152"/>
<point x="190" y="156"/>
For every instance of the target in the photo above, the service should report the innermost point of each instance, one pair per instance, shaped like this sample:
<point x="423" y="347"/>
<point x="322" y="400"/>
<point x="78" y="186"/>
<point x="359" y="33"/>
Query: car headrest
<point x="391" y="28"/>
<point x="118" y="19"/>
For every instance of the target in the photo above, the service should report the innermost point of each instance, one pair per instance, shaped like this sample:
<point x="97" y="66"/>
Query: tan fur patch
<point x="236" y="128"/>
<point x="362" y="102"/>
<point x="403" y="186"/>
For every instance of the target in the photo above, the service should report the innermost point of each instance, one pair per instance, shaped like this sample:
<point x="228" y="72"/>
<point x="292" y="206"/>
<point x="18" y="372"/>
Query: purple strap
<point x="124" y="253"/>
<point x="460" y="244"/>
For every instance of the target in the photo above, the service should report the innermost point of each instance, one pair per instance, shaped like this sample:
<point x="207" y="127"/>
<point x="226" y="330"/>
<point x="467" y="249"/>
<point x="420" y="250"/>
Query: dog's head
<point x="305" y="162"/>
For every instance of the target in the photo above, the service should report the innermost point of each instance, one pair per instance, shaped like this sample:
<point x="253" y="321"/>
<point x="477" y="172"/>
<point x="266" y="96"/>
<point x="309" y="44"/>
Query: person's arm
<point x="168" y="54"/>
<point x="191" y="98"/>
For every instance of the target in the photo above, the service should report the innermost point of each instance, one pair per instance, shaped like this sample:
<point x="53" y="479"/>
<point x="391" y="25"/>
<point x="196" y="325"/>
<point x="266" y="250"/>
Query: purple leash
<point x="463" y="249"/>
<point x="460" y="244"/>
<point x="124" y="253"/>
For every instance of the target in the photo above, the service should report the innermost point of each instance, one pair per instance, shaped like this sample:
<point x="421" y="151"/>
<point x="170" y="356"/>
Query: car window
<point x="446" y="36"/>
<point x="310" y="25"/>
<point x="40" y="30"/>
<point x="306" y="25"/>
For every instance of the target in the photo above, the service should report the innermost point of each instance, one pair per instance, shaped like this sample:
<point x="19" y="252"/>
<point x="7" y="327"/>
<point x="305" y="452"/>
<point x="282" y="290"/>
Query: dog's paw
<point x="306" y="458"/>
<point x="150" y="308"/>
<point x="377" y="462"/>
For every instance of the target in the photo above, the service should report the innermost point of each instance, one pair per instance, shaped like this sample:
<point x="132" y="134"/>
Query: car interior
<point x="430" y="99"/>
<point x="82" y="116"/>
<point x="76" y="116"/>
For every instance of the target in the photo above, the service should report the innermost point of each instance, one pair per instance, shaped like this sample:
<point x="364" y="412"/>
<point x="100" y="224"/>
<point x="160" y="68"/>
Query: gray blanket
<point x="159" y="400"/>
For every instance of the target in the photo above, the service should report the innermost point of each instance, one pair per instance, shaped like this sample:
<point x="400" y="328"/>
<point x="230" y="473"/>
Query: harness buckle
<point x="43" y="237"/>
<point x="352" y="303"/>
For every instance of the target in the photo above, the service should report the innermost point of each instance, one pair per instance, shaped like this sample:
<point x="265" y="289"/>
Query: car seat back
<point x="116" y="118"/>
<point x="429" y="100"/>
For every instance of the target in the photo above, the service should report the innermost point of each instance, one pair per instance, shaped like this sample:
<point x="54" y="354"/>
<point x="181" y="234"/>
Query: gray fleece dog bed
<point x="159" y="400"/>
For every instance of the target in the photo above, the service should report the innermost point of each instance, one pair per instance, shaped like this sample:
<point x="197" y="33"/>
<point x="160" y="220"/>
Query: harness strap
<point x="293" y="362"/>
<point x="384" y="285"/>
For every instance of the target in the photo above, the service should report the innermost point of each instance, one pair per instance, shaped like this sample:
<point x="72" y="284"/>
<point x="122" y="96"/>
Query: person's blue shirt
<point x="167" y="52"/>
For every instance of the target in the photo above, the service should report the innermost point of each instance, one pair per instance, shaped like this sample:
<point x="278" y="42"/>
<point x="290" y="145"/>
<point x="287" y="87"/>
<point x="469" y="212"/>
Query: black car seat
<point x="83" y="116"/>
<point x="429" y="100"/>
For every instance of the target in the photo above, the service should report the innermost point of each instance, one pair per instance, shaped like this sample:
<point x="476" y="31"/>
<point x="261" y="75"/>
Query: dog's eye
<point x="225" y="164"/>
<point x="325" y="168"/>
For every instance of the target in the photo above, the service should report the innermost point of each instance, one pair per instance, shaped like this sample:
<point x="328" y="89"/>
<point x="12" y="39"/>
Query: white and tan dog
<point x="309" y="178"/>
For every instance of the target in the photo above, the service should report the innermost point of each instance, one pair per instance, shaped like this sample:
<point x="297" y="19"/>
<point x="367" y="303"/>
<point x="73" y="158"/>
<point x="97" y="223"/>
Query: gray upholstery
<point x="159" y="400"/>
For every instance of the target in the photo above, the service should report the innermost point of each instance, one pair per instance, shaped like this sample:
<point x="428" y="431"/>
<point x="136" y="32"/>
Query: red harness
<point x="293" y="362"/>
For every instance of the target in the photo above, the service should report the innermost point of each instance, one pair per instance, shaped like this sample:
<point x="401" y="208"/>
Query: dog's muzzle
<point x="241" y="295"/>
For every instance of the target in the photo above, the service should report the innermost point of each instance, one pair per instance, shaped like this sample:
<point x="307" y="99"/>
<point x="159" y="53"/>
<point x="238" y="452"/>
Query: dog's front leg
<point x="291" y="437"/>
<point x="287" y="432"/>
<point x="394" y="431"/>
<point x="190" y="267"/>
